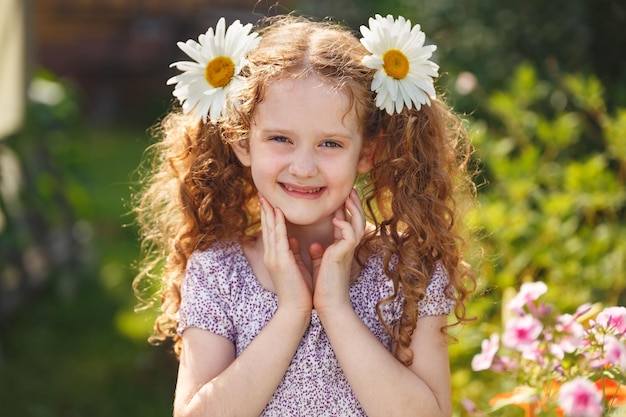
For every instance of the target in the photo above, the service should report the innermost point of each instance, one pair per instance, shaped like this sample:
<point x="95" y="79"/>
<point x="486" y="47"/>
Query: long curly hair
<point x="195" y="191"/>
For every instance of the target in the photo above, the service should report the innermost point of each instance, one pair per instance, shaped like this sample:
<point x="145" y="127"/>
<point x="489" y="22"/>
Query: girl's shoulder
<point x="212" y="286"/>
<point x="436" y="298"/>
<point x="373" y="262"/>
<point x="224" y="263"/>
<point x="372" y="281"/>
<point x="217" y="254"/>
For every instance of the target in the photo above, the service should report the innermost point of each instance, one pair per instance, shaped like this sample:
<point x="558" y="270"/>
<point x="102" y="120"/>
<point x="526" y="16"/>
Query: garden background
<point x="541" y="84"/>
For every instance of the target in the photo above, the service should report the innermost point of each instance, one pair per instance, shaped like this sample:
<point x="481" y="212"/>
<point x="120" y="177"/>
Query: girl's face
<point x="305" y="149"/>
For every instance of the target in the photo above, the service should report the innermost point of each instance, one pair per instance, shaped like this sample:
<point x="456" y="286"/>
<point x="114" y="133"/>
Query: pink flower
<point x="484" y="359"/>
<point x="504" y="364"/>
<point x="572" y="333"/>
<point x="583" y="309"/>
<point x="528" y="292"/>
<point x="580" y="398"/>
<point x="615" y="352"/>
<point x="613" y="318"/>
<point x="521" y="332"/>
<point x="469" y="406"/>
<point x="556" y="350"/>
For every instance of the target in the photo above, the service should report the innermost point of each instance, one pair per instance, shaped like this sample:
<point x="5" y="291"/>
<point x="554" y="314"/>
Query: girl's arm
<point x="212" y="382"/>
<point x="383" y="385"/>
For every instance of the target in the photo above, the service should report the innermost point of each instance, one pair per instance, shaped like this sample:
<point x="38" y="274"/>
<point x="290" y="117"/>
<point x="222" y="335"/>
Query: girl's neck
<point x="321" y="233"/>
<point x="309" y="234"/>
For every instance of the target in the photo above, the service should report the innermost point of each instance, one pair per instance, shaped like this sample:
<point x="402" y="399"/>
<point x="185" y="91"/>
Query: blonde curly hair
<point x="196" y="192"/>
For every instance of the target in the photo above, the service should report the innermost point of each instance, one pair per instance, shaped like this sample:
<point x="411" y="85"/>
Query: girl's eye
<point x="280" y="139"/>
<point x="330" y="144"/>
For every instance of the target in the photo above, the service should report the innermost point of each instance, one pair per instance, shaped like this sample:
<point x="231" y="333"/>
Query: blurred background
<point x="542" y="86"/>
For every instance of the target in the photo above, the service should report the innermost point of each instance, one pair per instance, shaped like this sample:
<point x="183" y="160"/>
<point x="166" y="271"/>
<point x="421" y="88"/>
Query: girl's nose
<point x="303" y="164"/>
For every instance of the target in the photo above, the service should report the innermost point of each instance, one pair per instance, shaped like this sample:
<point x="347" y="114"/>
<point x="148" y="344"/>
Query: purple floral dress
<point x="221" y="294"/>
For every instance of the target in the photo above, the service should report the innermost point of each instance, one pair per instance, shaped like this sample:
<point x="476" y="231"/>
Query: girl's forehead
<point x="311" y="82"/>
<point x="293" y="101"/>
<point x="306" y="91"/>
<point x="309" y="92"/>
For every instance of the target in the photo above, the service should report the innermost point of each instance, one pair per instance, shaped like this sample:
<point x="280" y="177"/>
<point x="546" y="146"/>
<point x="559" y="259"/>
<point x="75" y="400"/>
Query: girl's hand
<point x="332" y="267"/>
<point x="283" y="261"/>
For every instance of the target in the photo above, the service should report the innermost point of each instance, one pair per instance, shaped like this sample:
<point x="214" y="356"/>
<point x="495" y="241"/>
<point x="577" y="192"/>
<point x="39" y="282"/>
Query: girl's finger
<point x="267" y="221"/>
<point x="357" y="215"/>
<point x="280" y="231"/>
<point x="294" y="247"/>
<point x="340" y="213"/>
<point x="344" y="232"/>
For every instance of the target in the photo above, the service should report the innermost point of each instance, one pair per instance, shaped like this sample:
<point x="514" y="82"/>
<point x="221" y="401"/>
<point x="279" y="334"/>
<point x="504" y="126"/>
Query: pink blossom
<point x="580" y="398"/>
<point x="528" y="292"/>
<point x="484" y="359"/>
<point x="504" y="364"/>
<point x="469" y="406"/>
<point x="583" y="309"/>
<point x="615" y="352"/>
<point x="613" y="318"/>
<point x="572" y="333"/>
<point x="521" y="333"/>
<point x="557" y="350"/>
<point x="534" y="352"/>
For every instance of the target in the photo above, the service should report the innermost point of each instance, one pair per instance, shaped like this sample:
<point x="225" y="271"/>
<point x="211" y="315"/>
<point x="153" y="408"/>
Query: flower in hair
<point x="404" y="73"/>
<point x="205" y="83"/>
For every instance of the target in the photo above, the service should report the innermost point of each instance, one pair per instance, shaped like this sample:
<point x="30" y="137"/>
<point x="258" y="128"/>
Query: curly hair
<point x="196" y="192"/>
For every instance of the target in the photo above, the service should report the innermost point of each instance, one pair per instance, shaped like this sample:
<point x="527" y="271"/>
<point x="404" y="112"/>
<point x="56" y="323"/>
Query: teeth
<point x="311" y="191"/>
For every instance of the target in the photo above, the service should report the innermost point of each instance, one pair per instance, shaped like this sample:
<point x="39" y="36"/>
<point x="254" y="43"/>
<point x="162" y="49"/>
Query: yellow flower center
<point x="219" y="71"/>
<point x="396" y="64"/>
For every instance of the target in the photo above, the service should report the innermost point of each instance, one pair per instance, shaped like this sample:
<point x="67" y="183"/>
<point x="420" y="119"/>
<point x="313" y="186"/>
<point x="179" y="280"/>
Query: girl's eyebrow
<point x="286" y="132"/>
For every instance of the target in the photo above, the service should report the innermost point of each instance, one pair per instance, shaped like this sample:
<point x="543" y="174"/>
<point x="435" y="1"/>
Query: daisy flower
<point x="404" y="73"/>
<point x="206" y="82"/>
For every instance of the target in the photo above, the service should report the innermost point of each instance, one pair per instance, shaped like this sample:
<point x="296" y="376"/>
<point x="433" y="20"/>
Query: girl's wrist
<point x="298" y="316"/>
<point x="335" y="312"/>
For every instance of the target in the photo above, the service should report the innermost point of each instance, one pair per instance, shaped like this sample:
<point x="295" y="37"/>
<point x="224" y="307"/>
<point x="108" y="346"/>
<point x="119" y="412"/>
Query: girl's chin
<point x="303" y="220"/>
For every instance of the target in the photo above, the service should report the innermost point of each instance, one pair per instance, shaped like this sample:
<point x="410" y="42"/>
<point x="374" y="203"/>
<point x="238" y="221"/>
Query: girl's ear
<point x="369" y="153"/>
<point x="242" y="150"/>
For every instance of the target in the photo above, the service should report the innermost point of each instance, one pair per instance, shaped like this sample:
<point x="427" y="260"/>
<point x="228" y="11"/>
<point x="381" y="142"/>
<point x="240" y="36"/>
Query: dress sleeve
<point x="205" y="298"/>
<point x="436" y="302"/>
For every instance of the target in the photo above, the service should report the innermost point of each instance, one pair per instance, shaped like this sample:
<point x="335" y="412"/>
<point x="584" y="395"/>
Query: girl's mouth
<point x="306" y="191"/>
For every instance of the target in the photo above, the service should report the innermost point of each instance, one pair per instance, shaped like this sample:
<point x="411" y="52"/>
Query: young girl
<point x="286" y="291"/>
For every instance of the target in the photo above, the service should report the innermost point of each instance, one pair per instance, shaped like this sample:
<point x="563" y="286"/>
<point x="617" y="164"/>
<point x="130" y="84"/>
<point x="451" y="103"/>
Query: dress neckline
<point x="243" y="258"/>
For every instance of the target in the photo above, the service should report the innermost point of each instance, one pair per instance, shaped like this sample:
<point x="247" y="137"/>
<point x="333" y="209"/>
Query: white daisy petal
<point x="378" y="80"/>
<point x="373" y="62"/>
<point x="186" y="66"/>
<point x="412" y="73"/>
<point x="186" y="77"/>
<point x="423" y="84"/>
<point x="220" y="31"/>
<point x="193" y="85"/>
<point x="405" y="93"/>
<point x="192" y="49"/>
<point x="391" y="85"/>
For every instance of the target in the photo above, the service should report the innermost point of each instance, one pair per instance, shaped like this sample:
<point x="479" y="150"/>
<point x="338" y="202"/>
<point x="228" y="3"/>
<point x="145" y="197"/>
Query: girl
<point x="286" y="295"/>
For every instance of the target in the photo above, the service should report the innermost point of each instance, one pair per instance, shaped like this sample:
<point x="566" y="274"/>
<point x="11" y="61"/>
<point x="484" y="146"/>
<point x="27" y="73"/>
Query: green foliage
<point x="553" y="202"/>
<point x="41" y="234"/>
<point x="70" y="341"/>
